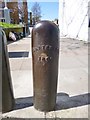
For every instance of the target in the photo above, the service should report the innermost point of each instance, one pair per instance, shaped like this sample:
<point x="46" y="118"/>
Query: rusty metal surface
<point x="45" y="53"/>
<point x="7" y="91"/>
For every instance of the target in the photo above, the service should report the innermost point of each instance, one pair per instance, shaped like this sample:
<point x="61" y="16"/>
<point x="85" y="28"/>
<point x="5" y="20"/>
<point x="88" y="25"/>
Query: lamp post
<point x="5" y="4"/>
<point x="6" y="13"/>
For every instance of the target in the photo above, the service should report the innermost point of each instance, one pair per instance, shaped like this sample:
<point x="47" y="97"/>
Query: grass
<point x="7" y="25"/>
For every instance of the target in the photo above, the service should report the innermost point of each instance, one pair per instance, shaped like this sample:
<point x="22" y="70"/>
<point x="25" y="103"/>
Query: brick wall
<point x="25" y="12"/>
<point x="2" y="5"/>
<point x="13" y="6"/>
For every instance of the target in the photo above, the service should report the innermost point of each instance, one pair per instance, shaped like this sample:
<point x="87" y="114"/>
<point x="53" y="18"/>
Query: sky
<point x="49" y="10"/>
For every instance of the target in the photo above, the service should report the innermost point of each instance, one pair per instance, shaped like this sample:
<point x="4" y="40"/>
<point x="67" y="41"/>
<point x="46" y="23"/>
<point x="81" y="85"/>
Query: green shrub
<point x="11" y="27"/>
<point x="7" y="25"/>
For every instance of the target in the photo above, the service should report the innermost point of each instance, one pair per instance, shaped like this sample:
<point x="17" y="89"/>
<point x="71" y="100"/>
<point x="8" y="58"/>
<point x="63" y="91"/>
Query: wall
<point x="25" y="12"/>
<point x="14" y="14"/>
<point x="1" y="11"/>
<point x="73" y="19"/>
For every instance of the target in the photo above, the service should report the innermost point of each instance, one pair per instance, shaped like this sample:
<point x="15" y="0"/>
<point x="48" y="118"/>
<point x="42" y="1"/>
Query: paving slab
<point x="15" y="64"/>
<point x="69" y="62"/>
<point x="20" y="45"/>
<point x="29" y="112"/>
<point x="20" y="64"/>
<point x="80" y="112"/>
<point x="17" y="47"/>
<point x="72" y="90"/>
<point x="72" y="81"/>
<point x="22" y="83"/>
<point x="69" y="113"/>
<point x="27" y="64"/>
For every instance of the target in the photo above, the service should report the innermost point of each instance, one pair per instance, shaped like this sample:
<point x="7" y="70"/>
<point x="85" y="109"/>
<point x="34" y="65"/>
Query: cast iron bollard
<point x="7" y="92"/>
<point x="24" y="31"/>
<point x="45" y="54"/>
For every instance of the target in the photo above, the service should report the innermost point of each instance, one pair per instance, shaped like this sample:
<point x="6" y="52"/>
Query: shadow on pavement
<point x="63" y="101"/>
<point x="66" y="102"/>
<point x="18" y="54"/>
<point x="21" y="103"/>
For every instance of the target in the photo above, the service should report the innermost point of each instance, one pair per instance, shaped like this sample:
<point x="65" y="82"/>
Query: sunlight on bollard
<point x="45" y="55"/>
<point x="7" y="92"/>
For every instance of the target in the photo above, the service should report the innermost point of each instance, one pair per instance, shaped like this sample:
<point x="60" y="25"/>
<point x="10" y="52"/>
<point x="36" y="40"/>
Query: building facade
<point x="13" y="7"/>
<point x="2" y="5"/>
<point x="73" y="19"/>
<point x="25" y="12"/>
<point x="16" y="11"/>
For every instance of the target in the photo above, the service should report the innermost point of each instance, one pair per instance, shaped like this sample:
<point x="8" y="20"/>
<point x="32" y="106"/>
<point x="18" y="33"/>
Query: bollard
<point x="45" y="54"/>
<point x="30" y="18"/>
<point x="7" y="91"/>
<point x="24" y="31"/>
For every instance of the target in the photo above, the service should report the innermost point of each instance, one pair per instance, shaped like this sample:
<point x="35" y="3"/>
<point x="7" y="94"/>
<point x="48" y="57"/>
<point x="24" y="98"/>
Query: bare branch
<point x="36" y="11"/>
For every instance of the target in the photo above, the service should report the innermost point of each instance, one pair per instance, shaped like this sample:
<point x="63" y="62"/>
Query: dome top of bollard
<point x="45" y="32"/>
<point x="45" y="24"/>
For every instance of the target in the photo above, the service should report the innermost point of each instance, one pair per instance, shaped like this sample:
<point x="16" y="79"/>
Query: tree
<point x="36" y="12"/>
<point x="23" y="12"/>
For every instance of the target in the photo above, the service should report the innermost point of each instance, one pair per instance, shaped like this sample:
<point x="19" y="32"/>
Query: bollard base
<point x="43" y="109"/>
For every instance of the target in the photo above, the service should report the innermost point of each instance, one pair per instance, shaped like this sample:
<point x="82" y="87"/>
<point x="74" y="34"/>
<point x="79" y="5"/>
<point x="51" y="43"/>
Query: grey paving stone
<point x="72" y="81"/>
<point x="22" y="83"/>
<point x="28" y="112"/>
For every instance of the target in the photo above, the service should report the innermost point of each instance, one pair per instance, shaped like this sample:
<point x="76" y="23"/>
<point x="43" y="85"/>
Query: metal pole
<point x="45" y="53"/>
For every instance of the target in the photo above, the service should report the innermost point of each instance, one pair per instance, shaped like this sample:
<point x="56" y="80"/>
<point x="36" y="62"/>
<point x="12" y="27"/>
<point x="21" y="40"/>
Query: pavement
<point x="72" y="90"/>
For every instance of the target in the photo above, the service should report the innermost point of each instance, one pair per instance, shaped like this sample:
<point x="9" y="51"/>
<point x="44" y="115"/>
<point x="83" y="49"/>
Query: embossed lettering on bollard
<point x="45" y="54"/>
